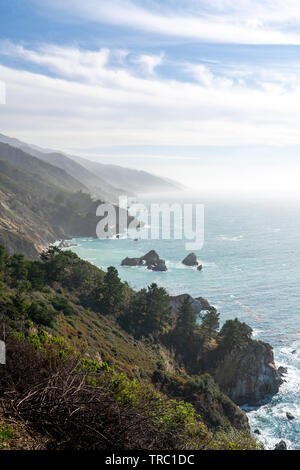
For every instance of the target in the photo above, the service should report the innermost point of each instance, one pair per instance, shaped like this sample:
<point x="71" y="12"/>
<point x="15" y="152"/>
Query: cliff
<point x="34" y="213"/>
<point x="248" y="375"/>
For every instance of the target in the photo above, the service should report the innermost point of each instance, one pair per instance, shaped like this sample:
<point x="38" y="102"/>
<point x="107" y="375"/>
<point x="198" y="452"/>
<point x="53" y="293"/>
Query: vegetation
<point x="95" y="365"/>
<point x="148" y="313"/>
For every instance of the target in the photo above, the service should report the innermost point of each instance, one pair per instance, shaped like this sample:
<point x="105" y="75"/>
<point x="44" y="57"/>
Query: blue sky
<point x="192" y="89"/>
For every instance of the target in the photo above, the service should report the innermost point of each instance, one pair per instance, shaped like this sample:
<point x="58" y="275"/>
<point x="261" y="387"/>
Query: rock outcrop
<point x="282" y="370"/>
<point x="190" y="260"/>
<point x="198" y="303"/>
<point x="151" y="260"/>
<point x="281" y="446"/>
<point x="65" y="244"/>
<point x="248" y="375"/>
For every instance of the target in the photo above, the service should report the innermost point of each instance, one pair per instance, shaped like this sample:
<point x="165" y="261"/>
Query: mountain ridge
<point x="106" y="180"/>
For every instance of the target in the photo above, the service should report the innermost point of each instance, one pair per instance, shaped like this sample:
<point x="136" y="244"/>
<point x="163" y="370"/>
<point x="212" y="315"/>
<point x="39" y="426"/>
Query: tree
<point x="3" y="256"/>
<point x="18" y="310"/>
<point x="158" y="309"/>
<point x="18" y="267"/>
<point x="234" y="334"/>
<point x="187" y="318"/>
<point x="112" y="293"/>
<point x="36" y="275"/>
<point x="56" y="262"/>
<point x="50" y="254"/>
<point x="210" y="322"/>
<point x="148" y="312"/>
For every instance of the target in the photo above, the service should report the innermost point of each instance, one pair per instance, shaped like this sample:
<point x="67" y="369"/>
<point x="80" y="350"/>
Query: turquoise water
<point x="251" y="270"/>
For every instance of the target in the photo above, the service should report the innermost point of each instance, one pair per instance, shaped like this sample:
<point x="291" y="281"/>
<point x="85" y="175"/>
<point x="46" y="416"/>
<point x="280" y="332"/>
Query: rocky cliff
<point x="249" y="375"/>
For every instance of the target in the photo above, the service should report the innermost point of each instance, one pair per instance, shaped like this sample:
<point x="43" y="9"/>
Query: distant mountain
<point x="102" y="179"/>
<point x="46" y="196"/>
<point x="43" y="170"/>
<point x="34" y="213"/>
<point x="138" y="181"/>
<point x="91" y="182"/>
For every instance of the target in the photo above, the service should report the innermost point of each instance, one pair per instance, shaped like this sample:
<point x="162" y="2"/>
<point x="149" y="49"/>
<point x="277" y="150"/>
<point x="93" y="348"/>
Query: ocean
<point x="251" y="270"/>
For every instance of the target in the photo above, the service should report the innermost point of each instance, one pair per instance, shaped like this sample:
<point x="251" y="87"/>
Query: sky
<point x="204" y="91"/>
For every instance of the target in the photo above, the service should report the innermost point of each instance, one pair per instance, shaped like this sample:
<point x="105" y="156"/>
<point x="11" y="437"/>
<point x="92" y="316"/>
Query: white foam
<point x="230" y="239"/>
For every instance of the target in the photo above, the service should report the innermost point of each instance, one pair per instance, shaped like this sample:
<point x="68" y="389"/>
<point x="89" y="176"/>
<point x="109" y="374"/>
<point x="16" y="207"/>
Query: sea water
<point x="251" y="270"/>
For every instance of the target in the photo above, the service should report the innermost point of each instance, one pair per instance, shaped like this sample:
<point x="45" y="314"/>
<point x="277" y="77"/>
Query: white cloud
<point x="150" y="62"/>
<point x="243" y="22"/>
<point x="203" y="75"/>
<point x="91" y="103"/>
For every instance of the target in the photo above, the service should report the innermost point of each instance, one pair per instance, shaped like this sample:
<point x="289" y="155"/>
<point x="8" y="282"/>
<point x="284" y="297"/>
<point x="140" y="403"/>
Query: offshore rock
<point x="150" y="259"/>
<point x="198" y="303"/>
<point x="248" y="375"/>
<point x="280" y="446"/>
<point x="131" y="262"/>
<point x="190" y="260"/>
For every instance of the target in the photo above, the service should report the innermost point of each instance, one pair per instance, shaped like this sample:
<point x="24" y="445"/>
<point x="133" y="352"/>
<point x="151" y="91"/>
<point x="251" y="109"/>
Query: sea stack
<point x="150" y="259"/>
<point x="190" y="260"/>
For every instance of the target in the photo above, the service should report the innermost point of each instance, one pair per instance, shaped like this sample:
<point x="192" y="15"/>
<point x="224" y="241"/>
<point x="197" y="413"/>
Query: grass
<point x="6" y="432"/>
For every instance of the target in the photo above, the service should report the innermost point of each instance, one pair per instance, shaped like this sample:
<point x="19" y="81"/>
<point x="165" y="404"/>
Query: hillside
<point x="106" y="181"/>
<point x="137" y="181"/>
<point x="63" y="311"/>
<point x="45" y="171"/>
<point x="47" y="196"/>
<point x="97" y="186"/>
<point x="35" y="213"/>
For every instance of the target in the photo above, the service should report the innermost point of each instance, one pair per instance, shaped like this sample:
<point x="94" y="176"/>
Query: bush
<point x="84" y="405"/>
<point x="41" y="314"/>
<point x="63" y="305"/>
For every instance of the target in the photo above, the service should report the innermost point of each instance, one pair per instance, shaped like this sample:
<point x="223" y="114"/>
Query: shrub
<point x="63" y="305"/>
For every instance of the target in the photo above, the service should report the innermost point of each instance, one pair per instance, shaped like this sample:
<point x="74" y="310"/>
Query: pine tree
<point x="148" y="313"/>
<point x="187" y="318"/>
<point x="3" y="256"/>
<point x="158" y="309"/>
<point x="18" y="267"/>
<point x="112" y="293"/>
<point x="234" y="334"/>
<point x="210" y="322"/>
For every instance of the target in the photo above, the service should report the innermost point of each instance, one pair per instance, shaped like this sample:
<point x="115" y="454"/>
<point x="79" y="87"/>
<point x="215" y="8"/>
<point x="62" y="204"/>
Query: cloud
<point x="150" y="62"/>
<point x="203" y="75"/>
<point x="229" y="21"/>
<point x="96" y="99"/>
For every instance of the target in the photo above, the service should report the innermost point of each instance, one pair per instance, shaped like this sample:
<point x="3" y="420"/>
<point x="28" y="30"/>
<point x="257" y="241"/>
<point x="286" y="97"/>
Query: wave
<point x="230" y="239"/>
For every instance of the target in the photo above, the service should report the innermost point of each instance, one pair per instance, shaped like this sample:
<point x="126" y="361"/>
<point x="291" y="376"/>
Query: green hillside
<point x="43" y="170"/>
<point x="69" y="332"/>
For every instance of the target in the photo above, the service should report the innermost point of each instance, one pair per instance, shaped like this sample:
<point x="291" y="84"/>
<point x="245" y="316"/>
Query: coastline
<point x="263" y="436"/>
<point x="97" y="252"/>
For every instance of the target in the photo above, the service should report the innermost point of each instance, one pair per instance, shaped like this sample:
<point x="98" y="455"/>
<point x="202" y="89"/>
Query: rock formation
<point x="151" y="260"/>
<point x="248" y="375"/>
<point x="280" y="446"/>
<point x="190" y="260"/>
<point x="198" y="303"/>
<point x="65" y="244"/>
